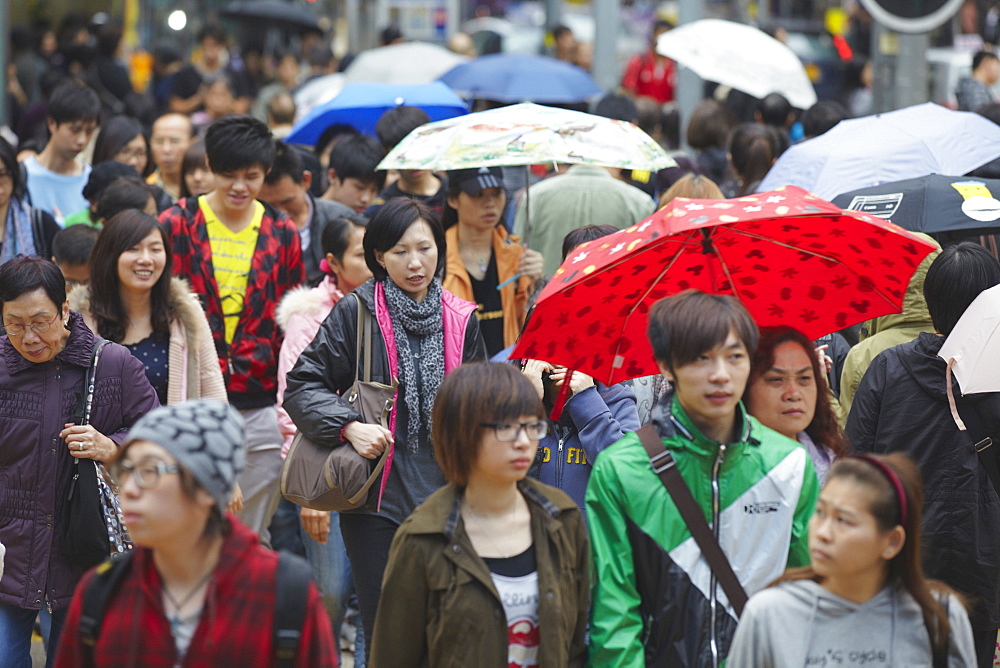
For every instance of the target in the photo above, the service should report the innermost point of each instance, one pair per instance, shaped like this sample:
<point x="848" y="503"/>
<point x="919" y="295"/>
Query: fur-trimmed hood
<point x="307" y="302"/>
<point x="183" y="303"/>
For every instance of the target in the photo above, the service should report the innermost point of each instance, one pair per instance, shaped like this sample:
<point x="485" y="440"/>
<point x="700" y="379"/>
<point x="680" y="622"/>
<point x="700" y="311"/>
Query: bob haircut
<point x="337" y="233"/>
<point x="954" y="280"/>
<point x="471" y="396"/>
<point x="685" y="325"/>
<point x="824" y="428"/>
<point x="114" y="135"/>
<point x="238" y="142"/>
<point x="120" y="233"/>
<point x="390" y="223"/>
<point x="24" y="274"/>
<point x="194" y="158"/>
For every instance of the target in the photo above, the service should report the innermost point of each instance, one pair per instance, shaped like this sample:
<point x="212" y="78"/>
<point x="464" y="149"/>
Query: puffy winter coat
<point x="37" y="400"/>
<point x="902" y="406"/>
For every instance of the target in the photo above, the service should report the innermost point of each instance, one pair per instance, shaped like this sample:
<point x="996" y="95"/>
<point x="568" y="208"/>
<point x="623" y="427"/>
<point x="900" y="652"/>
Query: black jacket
<point x="901" y="406"/>
<point x="323" y="212"/>
<point x="325" y="370"/>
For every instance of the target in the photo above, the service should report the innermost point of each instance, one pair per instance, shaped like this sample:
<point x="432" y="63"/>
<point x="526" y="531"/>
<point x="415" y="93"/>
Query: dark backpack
<point x="291" y="593"/>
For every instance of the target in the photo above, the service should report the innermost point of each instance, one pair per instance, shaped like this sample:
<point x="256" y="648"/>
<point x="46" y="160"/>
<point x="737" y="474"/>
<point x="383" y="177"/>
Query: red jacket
<point x="236" y="626"/>
<point x="649" y="76"/>
<point x="250" y="364"/>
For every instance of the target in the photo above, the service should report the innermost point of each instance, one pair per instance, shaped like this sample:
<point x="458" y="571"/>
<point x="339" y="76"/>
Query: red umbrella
<point x="790" y="257"/>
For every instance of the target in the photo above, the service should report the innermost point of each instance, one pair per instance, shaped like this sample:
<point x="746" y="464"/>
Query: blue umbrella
<point x="362" y="104"/>
<point x="509" y="77"/>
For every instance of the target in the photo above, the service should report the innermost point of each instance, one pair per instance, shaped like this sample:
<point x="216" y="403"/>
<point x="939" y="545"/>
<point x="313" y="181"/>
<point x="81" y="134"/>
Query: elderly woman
<point x="199" y="589"/>
<point x="47" y="351"/>
<point x="420" y="333"/>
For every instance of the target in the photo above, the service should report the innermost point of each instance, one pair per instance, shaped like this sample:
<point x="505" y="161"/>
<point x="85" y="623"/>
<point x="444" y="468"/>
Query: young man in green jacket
<point x="656" y="601"/>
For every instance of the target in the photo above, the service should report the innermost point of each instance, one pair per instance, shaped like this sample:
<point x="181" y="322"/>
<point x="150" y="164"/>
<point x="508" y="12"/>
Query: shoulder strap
<point x="364" y="337"/>
<point x="982" y="441"/>
<point x="291" y="594"/>
<point x="665" y="466"/>
<point x="91" y="378"/>
<point x="105" y="582"/>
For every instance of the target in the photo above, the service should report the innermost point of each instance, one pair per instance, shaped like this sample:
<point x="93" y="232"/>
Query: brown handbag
<point x="333" y="476"/>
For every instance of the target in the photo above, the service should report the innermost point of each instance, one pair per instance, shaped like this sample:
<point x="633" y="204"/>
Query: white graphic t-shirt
<point x="516" y="580"/>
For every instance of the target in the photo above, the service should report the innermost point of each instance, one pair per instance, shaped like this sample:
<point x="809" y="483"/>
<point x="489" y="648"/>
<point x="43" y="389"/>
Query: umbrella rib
<point x="814" y="253"/>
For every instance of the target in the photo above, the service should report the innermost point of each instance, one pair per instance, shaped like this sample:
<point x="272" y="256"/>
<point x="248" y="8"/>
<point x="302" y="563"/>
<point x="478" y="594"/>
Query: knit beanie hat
<point x="205" y="436"/>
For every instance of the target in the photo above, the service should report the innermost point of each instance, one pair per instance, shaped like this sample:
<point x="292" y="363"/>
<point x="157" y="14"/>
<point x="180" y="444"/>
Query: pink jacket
<point x="300" y="315"/>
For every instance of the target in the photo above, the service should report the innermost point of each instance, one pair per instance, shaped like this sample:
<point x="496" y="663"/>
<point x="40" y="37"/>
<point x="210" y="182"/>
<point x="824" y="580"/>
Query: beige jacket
<point x="192" y="364"/>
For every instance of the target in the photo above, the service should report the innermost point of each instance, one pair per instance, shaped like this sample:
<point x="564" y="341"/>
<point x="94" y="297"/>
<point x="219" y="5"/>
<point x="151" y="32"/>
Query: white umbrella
<point x="972" y="350"/>
<point x="317" y="91"/>
<point x="407" y="63"/>
<point x="739" y="56"/>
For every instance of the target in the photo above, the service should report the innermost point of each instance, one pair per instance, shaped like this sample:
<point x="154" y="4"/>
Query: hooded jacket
<point x="326" y="370"/>
<point x="439" y="606"/>
<point x="902" y="406"/>
<point x="299" y="316"/>
<point x="593" y="419"/>
<point x="886" y="331"/>
<point x="192" y="367"/>
<point x="800" y="623"/>
<point x="37" y="400"/>
<point x="654" y="595"/>
<point x="235" y="627"/>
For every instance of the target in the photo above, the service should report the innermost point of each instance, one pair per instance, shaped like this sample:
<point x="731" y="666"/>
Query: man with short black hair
<point x="353" y="178"/>
<point x="422" y="185"/>
<point x="55" y="177"/>
<point x="241" y="256"/>
<point x="656" y="601"/>
<point x="286" y="188"/>
<point x="71" y="250"/>
<point x="902" y="405"/>
<point x="977" y="90"/>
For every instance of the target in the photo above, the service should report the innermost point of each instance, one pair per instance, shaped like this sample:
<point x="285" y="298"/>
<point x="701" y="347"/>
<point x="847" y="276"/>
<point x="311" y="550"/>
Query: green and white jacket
<point x="655" y="600"/>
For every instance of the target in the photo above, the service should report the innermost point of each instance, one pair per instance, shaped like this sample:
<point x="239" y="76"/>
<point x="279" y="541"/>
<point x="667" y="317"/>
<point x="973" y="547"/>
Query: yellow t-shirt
<point x="232" y="257"/>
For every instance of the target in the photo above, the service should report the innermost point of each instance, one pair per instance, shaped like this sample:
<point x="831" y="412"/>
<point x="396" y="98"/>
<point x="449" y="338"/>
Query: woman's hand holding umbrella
<point x="578" y="380"/>
<point x="370" y="440"/>
<point x="532" y="264"/>
<point x="85" y="442"/>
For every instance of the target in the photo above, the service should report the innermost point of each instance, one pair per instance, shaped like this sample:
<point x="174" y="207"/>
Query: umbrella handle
<point x="527" y="206"/>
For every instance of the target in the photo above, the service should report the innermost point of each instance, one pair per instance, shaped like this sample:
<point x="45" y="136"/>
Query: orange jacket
<point x="513" y="296"/>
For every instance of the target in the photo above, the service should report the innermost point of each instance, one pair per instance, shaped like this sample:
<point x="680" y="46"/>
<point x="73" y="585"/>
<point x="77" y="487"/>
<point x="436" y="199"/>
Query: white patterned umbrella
<point x="527" y="134"/>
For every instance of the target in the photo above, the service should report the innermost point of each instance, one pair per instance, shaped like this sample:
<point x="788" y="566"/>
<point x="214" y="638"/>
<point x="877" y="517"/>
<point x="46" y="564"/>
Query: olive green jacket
<point x="439" y="606"/>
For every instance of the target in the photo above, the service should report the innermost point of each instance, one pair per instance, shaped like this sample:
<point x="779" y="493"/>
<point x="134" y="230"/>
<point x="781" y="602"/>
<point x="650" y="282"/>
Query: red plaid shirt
<point x="250" y="364"/>
<point x="236" y="626"/>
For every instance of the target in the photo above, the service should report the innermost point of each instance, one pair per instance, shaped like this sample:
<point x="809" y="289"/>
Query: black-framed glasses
<point x="147" y="474"/>
<point x="40" y="327"/>
<point x="508" y="431"/>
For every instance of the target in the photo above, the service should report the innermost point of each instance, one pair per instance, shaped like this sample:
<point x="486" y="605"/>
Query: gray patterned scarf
<point x="421" y="320"/>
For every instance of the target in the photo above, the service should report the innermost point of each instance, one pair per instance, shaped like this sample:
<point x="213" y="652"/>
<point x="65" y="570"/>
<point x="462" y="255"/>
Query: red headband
<point x="897" y="486"/>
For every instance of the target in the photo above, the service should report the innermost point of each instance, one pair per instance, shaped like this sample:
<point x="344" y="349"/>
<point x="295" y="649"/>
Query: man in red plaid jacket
<point x="241" y="256"/>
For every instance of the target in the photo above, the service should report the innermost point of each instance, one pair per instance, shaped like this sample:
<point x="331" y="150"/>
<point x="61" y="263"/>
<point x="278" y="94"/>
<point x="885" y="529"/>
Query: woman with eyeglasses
<point x="493" y="569"/>
<point x="198" y="589"/>
<point x="23" y="230"/>
<point x="47" y="350"/>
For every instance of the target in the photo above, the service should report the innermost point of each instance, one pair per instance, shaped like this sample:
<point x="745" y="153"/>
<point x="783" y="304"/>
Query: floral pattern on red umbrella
<point x="789" y="256"/>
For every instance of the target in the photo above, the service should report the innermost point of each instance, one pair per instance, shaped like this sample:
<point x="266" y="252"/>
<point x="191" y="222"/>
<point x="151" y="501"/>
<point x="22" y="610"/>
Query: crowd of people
<point x="180" y="306"/>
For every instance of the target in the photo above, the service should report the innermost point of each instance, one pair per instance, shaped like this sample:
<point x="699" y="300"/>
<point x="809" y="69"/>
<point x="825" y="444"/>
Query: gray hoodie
<point x="801" y="624"/>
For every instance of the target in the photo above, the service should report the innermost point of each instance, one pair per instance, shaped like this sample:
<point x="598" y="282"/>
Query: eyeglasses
<point x="147" y="474"/>
<point x="40" y="327"/>
<point x="135" y="154"/>
<point x="508" y="431"/>
<point x="6" y="177"/>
